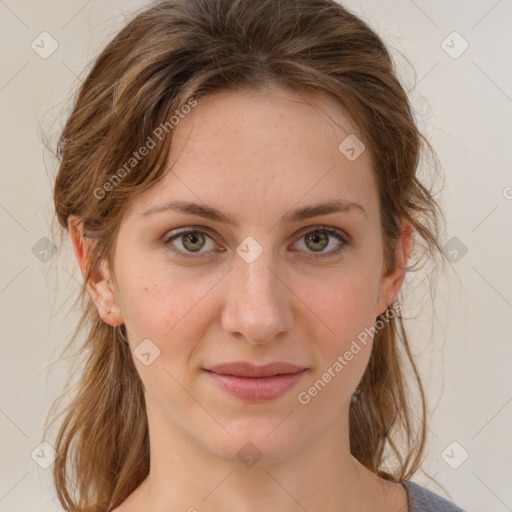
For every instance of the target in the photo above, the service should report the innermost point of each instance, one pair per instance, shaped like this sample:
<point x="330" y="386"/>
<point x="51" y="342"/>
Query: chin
<point x="260" y="442"/>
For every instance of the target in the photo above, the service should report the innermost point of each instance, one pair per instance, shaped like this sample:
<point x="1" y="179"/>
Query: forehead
<point x="259" y="148"/>
<point x="273" y="115"/>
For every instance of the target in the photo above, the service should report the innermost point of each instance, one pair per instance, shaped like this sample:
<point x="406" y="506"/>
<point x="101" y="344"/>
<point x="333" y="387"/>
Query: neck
<point x="186" y="476"/>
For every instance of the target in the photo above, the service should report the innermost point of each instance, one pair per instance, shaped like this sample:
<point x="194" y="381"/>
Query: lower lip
<point x="257" y="389"/>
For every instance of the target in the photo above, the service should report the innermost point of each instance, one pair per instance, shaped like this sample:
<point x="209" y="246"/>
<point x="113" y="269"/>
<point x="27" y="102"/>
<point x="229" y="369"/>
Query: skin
<point x="255" y="155"/>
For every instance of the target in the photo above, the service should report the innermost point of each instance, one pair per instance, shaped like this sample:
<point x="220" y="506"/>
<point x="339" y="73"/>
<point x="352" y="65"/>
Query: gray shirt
<point x="422" y="500"/>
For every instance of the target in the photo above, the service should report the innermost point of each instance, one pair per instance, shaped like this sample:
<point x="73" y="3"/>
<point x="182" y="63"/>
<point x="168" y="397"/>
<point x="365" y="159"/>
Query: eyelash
<point x="344" y="239"/>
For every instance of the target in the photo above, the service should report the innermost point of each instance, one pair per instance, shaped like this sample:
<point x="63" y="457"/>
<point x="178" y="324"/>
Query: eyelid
<point x="324" y="227"/>
<point x="174" y="233"/>
<point x="344" y="238"/>
<point x="203" y="229"/>
<point x="168" y="238"/>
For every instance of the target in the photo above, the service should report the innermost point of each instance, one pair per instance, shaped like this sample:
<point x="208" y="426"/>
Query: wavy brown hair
<point x="167" y="54"/>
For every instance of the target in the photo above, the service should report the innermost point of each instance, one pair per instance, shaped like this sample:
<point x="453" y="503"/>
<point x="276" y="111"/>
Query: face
<point x="253" y="274"/>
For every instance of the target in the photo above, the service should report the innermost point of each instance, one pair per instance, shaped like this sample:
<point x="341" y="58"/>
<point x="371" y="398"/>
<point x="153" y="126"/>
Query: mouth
<point x="256" y="383"/>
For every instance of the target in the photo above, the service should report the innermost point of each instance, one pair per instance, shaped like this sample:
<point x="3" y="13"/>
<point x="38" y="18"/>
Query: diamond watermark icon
<point x="146" y="352"/>
<point x="454" y="455"/>
<point x="455" y="249"/>
<point x="454" y="45"/>
<point x="44" y="45"/>
<point x="249" y="455"/>
<point x="351" y="147"/>
<point x="44" y="455"/>
<point x="249" y="249"/>
<point x="44" y="249"/>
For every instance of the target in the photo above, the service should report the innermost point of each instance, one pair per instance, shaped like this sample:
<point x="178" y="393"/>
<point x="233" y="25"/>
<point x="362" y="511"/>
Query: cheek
<point x="345" y="304"/>
<point x="158" y="302"/>
<point x="347" y="308"/>
<point x="342" y="327"/>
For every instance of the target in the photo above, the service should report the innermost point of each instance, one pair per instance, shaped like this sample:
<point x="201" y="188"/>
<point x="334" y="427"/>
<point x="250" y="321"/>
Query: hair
<point x="175" y="52"/>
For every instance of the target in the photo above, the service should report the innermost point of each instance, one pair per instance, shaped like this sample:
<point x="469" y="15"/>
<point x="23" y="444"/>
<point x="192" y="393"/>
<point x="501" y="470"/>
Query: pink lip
<point x="256" y="383"/>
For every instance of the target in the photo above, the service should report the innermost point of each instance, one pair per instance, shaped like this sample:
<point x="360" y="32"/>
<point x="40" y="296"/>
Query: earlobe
<point x="98" y="286"/>
<point x="393" y="279"/>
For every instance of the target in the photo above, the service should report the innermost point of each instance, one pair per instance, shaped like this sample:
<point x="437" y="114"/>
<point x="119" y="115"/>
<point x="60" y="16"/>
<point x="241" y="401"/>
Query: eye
<point x="189" y="243"/>
<point x="317" y="240"/>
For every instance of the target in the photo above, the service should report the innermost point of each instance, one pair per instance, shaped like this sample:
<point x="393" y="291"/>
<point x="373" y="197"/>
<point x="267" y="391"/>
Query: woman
<point x="239" y="183"/>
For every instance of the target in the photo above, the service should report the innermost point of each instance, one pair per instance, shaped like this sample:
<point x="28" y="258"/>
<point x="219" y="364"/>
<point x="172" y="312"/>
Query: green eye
<point x="189" y="241"/>
<point x="317" y="240"/>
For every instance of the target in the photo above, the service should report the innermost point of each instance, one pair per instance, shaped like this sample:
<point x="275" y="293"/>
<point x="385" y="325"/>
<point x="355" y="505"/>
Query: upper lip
<point x="245" y="369"/>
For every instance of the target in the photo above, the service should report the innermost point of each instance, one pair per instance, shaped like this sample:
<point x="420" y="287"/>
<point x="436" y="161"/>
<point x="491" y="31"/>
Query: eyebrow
<point x="296" y="215"/>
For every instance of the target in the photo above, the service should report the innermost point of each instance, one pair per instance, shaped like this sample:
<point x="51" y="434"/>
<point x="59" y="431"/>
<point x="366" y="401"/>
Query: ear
<point x="99" y="286"/>
<point x="392" y="280"/>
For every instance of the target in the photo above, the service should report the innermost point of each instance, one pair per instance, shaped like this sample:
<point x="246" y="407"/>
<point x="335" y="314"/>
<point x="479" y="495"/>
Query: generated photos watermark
<point x="304" y="397"/>
<point x="138" y="156"/>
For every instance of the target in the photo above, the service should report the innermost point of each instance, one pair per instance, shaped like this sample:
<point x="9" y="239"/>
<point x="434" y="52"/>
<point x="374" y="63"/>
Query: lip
<point x="245" y="369"/>
<point x="256" y="383"/>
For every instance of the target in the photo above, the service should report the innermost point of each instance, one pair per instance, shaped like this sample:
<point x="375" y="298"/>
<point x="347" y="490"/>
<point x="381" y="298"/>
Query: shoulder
<point x="422" y="500"/>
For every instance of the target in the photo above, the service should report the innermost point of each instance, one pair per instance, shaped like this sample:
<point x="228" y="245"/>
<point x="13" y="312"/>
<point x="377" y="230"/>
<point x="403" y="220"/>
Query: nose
<point x="259" y="304"/>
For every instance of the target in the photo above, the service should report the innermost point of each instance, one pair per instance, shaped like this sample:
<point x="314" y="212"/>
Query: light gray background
<point x="464" y="105"/>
